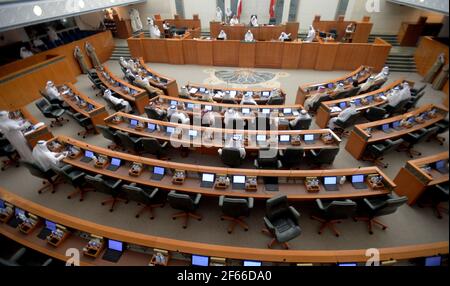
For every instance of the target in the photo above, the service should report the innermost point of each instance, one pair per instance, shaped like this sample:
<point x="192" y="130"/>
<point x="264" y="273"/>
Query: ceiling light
<point x="81" y="3"/>
<point x="37" y="10"/>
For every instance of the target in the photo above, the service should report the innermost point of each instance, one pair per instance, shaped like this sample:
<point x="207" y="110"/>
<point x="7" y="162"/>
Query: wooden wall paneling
<point x="190" y="51"/>
<point x="225" y="53"/>
<point x="427" y="52"/>
<point x="269" y="54"/>
<point x="408" y="185"/>
<point x="214" y="29"/>
<point x="326" y="56"/>
<point x="308" y="55"/>
<point x="291" y="55"/>
<point x="350" y="56"/>
<point x="135" y="47"/>
<point x="175" y="51"/>
<point x="362" y="32"/>
<point x="292" y="28"/>
<point x="255" y="31"/>
<point x="205" y="53"/>
<point x="378" y="54"/>
<point x="247" y="54"/>
<point x="155" y="50"/>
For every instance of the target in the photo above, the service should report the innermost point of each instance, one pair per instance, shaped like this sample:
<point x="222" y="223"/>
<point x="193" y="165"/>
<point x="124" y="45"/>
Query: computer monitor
<point x="329" y="180"/>
<point x="50" y="225"/>
<point x="260" y="137"/>
<point x="88" y="154"/>
<point x="347" y="264"/>
<point x="252" y="263"/>
<point x="357" y="178"/>
<point x="265" y="93"/>
<point x="245" y="110"/>
<point x="433" y="261"/>
<point x="193" y="133"/>
<point x="238" y="179"/>
<point x="233" y="92"/>
<point x="207" y="177"/>
<point x="115" y="245"/>
<point x="309" y="137"/>
<point x="411" y="120"/>
<point x="237" y="137"/>
<point x="158" y="170"/>
<point x="285" y="138"/>
<point x="151" y="126"/>
<point x="115" y="161"/>
<point x="202" y="89"/>
<point x="369" y="98"/>
<point x="249" y="93"/>
<point x="208" y="107"/>
<point x="287" y="110"/>
<point x="357" y="101"/>
<point x="190" y="105"/>
<point x="170" y="129"/>
<point x="342" y="105"/>
<point x="440" y="164"/>
<point x="385" y="127"/>
<point x="330" y="85"/>
<point x="266" y="110"/>
<point x="18" y="211"/>
<point x="133" y="122"/>
<point x="90" y="107"/>
<point x="2" y="204"/>
<point x="396" y="124"/>
<point x="173" y="102"/>
<point x="199" y="260"/>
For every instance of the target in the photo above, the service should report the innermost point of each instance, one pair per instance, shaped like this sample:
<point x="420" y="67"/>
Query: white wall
<point x="307" y="9"/>
<point x="206" y="10"/>
<point x="165" y="8"/>
<point x="257" y="7"/>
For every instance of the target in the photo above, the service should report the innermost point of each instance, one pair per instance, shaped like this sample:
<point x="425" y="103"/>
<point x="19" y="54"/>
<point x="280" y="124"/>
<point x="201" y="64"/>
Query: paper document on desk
<point x="193" y="90"/>
<point x="295" y="112"/>
<point x="336" y="109"/>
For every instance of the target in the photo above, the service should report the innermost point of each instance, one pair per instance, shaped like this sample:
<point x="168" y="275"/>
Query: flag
<point x="239" y="9"/>
<point x="272" y="8"/>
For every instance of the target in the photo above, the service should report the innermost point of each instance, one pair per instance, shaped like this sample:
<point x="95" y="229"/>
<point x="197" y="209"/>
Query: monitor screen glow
<point x="396" y="124"/>
<point x="18" y="212"/>
<point x="266" y="110"/>
<point x="239" y="179"/>
<point x="285" y="138"/>
<point x="115" y="245"/>
<point x="246" y="110"/>
<point x="202" y="89"/>
<point x="50" y="225"/>
<point x="192" y="133"/>
<point x="151" y="126"/>
<point x="330" y="180"/>
<point x="265" y="93"/>
<point x="357" y="178"/>
<point x="287" y="110"/>
<point x="440" y="164"/>
<point x="158" y="170"/>
<point x="260" y="137"/>
<point x="198" y="260"/>
<point x="249" y="93"/>
<point x="115" y="162"/>
<point x="309" y="137"/>
<point x="173" y="102"/>
<point x="342" y="105"/>
<point x="170" y="129"/>
<point x="208" y="107"/>
<point x="133" y="122"/>
<point x="330" y="85"/>
<point x="233" y="92"/>
<point x="2" y="204"/>
<point x="347" y="264"/>
<point x="208" y="177"/>
<point x="252" y="263"/>
<point x="385" y="126"/>
<point x="433" y="261"/>
<point x="190" y="105"/>
<point x="237" y="136"/>
<point x="88" y="154"/>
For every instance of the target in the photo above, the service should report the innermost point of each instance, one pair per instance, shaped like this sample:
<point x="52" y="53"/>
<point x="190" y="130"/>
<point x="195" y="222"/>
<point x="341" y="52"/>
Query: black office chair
<point x="291" y="156"/>
<point x="316" y="105"/>
<point x="374" y="87"/>
<point x="414" y="138"/>
<point x="267" y="159"/>
<point x="152" y="146"/>
<point x="375" y="113"/>
<point x="333" y="32"/>
<point x="228" y="101"/>
<point x="416" y="91"/>
<point x="342" y="125"/>
<point x="433" y="197"/>
<point x="412" y="102"/>
<point x="275" y="100"/>
<point x="109" y="186"/>
<point x="56" y="101"/>
<point x="76" y="178"/>
<point x="51" y="111"/>
<point x="231" y="156"/>
<point x="369" y="209"/>
<point x="51" y="179"/>
<point x="234" y="210"/>
<point x="353" y="91"/>
<point x="86" y="123"/>
<point x="374" y="152"/>
<point x="150" y="198"/>
<point x="281" y="221"/>
<point x="442" y="127"/>
<point x="398" y="109"/>
<point x="110" y="135"/>
<point x="331" y="213"/>
<point x="96" y="82"/>
<point x="186" y="204"/>
<point x="324" y="156"/>
<point x="7" y="150"/>
<point x="152" y="114"/>
<point x="130" y="143"/>
<point x="301" y="124"/>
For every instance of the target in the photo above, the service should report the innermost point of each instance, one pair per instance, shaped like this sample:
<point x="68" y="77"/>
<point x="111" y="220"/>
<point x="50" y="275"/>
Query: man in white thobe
<point x="234" y="21"/>
<point x="12" y="130"/>
<point x="248" y="99"/>
<point x="311" y="34"/>
<point x="284" y="37"/>
<point x="343" y="115"/>
<point x="229" y="116"/>
<point x="52" y="92"/>
<point x="155" y="33"/>
<point x="254" y="21"/>
<point x="301" y="116"/>
<point x="47" y="159"/>
<point x="383" y="75"/>
<point x="234" y="143"/>
<point x="178" y="116"/>
<point x="107" y="95"/>
<point x="136" y="23"/>
<point x="222" y="35"/>
<point x="219" y="14"/>
<point x="311" y="100"/>
<point x="369" y="83"/>
<point x="249" y="36"/>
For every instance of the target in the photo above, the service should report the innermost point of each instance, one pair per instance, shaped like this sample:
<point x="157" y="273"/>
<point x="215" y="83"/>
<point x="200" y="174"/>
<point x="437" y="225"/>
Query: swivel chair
<point x="231" y="156"/>
<point x="110" y="135"/>
<point x="130" y="143"/>
<point x="50" y="181"/>
<point x="86" y="123"/>
<point x="76" y="178"/>
<point x="374" y="152"/>
<point x="152" y="146"/>
<point x="412" y="102"/>
<point x="267" y="159"/>
<point x="186" y="204"/>
<point x="109" y="186"/>
<point x="413" y="138"/>
<point x="324" y="156"/>
<point x="52" y="111"/>
<point x="398" y="109"/>
<point x="234" y="210"/>
<point x="442" y="127"/>
<point x="302" y="124"/>
<point x="150" y="199"/>
<point x="291" y="156"/>
<point x="434" y="196"/>
<point x="275" y="100"/>
<point x="331" y="213"/>
<point x="342" y="125"/>
<point x="375" y="113"/>
<point x="7" y="150"/>
<point x="416" y="91"/>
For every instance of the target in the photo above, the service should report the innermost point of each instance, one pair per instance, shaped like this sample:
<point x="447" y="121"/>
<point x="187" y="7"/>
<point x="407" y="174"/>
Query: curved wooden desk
<point x="260" y="33"/>
<point x="175" y="246"/>
<point x="138" y="98"/>
<point x="412" y="180"/>
<point x="364" y="102"/>
<point x="205" y="144"/>
<point x="306" y="90"/>
<point x="167" y="84"/>
<point x="290" y="181"/>
<point x="360" y="138"/>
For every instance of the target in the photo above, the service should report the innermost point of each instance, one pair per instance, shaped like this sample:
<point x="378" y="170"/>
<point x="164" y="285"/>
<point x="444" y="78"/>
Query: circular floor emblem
<point x="244" y="76"/>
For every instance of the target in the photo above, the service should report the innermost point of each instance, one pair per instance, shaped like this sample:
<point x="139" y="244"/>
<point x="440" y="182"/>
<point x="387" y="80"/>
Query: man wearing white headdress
<point x="207" y="96"/>
<point x="248" y="99"/>
<point x="284" y="37"/>
<point x="12" y="130"/>
<point x="136" y="23"/>
<point x="383" y="75"/>
<point x="144" y="83"/>
<point x="301" y="116"/>
<point x="52" y="92"/>
<point x="222" y="35"/>
<point x="107" y="95"/>
<point x="311" y="34"/>
<point x="90" y="50"/>
<point x="209" y="119"/>
<point x="339" y="88"/>
<point x="155" y="33"/>
<point x="368" y="84"/>
<point x="249" y="36"/>
<point x="406" y="91"/>
<point x="177" y="116"/>
<point x="132" y="66"/>
<point x="47" y="159"/>
<point x="234" y="143"/>
<point x="229" y="116"/>
<point x="254" y="21"/>
<point x="219" y="14"/>
<point x="311" y="100"/>
<point x="228" y="14"/>
<point x="123" y="63"/>
<point x="234" y="21"/>
<point x="25" y="53"/>
<point x="343" y="115"/>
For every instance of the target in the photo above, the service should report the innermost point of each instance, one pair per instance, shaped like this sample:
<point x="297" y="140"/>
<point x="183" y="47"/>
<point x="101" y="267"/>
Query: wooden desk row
<point x="360" y="137"/>
<point x="208" y="139"/>
<point x="193" y="25"/>
<point x="362" y="28"/>
<point x="291" y="182"/>
<point x="261" y="54"/>
<point x="260" y="95"/>
<point x="167" y="84"/>
<point x="419" y="174"/>
<point x="137" y="96"/>
<point x="363" y="102"/>
<point x="284" y="111"/>
<point x="260" y="33"/>
<point x="177" y="247"/>
<point x="361" y="74"/>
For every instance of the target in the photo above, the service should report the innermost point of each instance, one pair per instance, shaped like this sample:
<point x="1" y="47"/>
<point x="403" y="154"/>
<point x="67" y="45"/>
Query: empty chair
<point x="76" y="178"/>
<point x="281" y="221"/>
<point x="7" y="150"/>
<point x="110" y="135"/>
<point x="231" y="156"/>
<point x="152" y="146"/>
<point x="330" y="213"/>
<point x="186" y="203"/>
<point x="342" y="125"/>
<point x="369" y="209"/>
<point x="322" y="156"/>
<point x="275" y="100"/>
<point x="267" y="159"/>
<point x="55" y="100"/>
<point x="398" y="109"/>
<point x="416" y="91"/>
<point x="152" y="114"/>
<point x="130" y="143"/>
<point x="434" y="196"/>
<point x="291" y="156"/>
<point x="413" y="138"/>
<point x="442" y="127"/>
<point x="109" y="186"/>
<point x="149" y="198"/>
<point x="50" y="181"/>
<point x="375" y="113"/>
<point x="412" y="102"/>
<point x="302" y="124"/>
<point x="51" y="111"/>
<point x="234" y="210"/>
<point x="86" y="123"/>
<point x="374" y="152"/>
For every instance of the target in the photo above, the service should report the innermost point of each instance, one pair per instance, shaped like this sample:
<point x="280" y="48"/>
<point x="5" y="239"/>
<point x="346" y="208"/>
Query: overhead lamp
<point x="37" y="10"/>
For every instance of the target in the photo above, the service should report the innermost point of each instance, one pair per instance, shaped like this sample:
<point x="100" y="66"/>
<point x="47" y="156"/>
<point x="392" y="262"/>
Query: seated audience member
<point x="47" y="159"/>
<point x="144" y="83"/>
<point x="25" y="53"/>
<point x="248" y="99"/>
<point x="123" y="63"/>
<point x="222" y="35"/>
<point x="343" y="115"/>
<point x="126" y="107"/>
<point x="284" y="37"/>
<point x="368" y="84"/>
<point x="302" y="115"/>
<point x="249" y="36"/>
<point x="178" y="116"/>
<point x="254" y="21"/>
<point x="229" y="116"/>
<point x="234" y="143"/>
<point x="234" y="20"/>
<point x="311" y="100"/>
<point x="53" y="36"/>
<point x="311" y="34"/>
<point x="39" y="44"/>
<point x="52" y="92"/>
<point x="383" y="75"/>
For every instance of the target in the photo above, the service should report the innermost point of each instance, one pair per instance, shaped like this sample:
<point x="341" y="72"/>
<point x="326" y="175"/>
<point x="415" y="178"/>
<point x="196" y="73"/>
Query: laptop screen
<point x="330" y="180"/>
<point x="115" y="245"/>
<point x="158" y="170"/>
<point x="208" y="177"/>
<point x="266" y="110"/>
<point x="357" y="101"/>
<point x="50" y="225"/>
<point x="385" y="126"/>
<point x="88" y="154"/>
<point x="202" y="89"/>
<point x="151" y="126"/>
<point x="239" y="179"/>
<point x="233" y="92"/>
<point x="330" y="85"/>
<point x="357" y="178"/>
<point x="115" y="161"/>
<point x="192" y="133"/>
<point x="433" y="261"/>
<point x="19" y="212"/>
<point x="287" y="110"/>
<point x="173" y="102"/>
<point x="396" y="124"/>
<point x="170" y="129"/>
<point x="208" y="107"/>
<point x="411" y="120"/>
<point x="237" y="136"/>
<point x="133" y="122"/>
<point x="342" y="105"/>
<point x="369" y="98"/>
<point x="246" y="110"/>
<point x="285" y="138"/>
<point x="198" y="260"/>
<point x="252" y="263"/>
<point x="440" y="164"/>
<point x="265" y="93"/>
<point x="260" y="137"/>
<point x="2" y="204"/>
<point x="347" y="264"/>
<point x="190" y="105"/>
<point x="309" y="137"/>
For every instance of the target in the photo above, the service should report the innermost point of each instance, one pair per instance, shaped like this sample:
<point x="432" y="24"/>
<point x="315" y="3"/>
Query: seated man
<point x="52" y="92"/>
<point x="184" y="92"/>
<point x="343" y="115"/>
<point x="222" y="35"/>
<point x="284" y="37"/>
<point x="311" y="34"/>
<point x="302" y="115"/>
<point x="383" y="75"/>
<point x="133" y="66"/>
<point x="234" y="21"/>
<point x="123" y="63"/>
<point x="25" y="53"/>
<point x="143" y="82"/>
<point x="47" y="159"/>
<point x="254" y="21"/>
<point x="311" y="100"/>
<point x="178" y="116"/>
<point x="230" y="116"/>
<point x="126" y="107"/>
<point x="369" y="83"/>
<point x="155" y="33"/>
<point x="234" y="143"/>
<point x="249" y="36"/>
<point x="155" y="106"/>
<point x="339" y="88"/>
<point x="209" y="119"/>
<point x="207" y="96"/>
<point x="248" y="99"/>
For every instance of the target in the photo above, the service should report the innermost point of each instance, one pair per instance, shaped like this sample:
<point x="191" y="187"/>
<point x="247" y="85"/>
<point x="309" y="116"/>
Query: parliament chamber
<point x="206" y="136"/>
